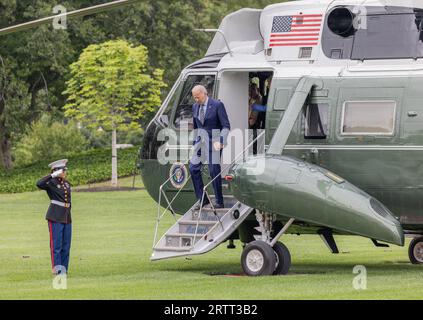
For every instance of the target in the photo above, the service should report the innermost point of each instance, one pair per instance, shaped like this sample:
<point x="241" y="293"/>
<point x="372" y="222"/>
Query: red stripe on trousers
<point x="50" y="227"/>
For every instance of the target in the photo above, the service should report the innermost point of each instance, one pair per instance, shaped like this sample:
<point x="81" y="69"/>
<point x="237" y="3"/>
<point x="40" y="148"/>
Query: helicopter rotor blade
<point x="72" y="14"/>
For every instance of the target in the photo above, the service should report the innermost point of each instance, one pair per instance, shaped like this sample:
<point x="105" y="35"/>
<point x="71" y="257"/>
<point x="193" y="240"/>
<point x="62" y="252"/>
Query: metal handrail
<point x="169" y="206"/>
<point x="205" y="193"/>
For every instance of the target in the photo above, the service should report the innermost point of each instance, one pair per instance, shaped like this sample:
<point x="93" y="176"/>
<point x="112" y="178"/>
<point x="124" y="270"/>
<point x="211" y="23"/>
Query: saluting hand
<point x="57" y="173"/>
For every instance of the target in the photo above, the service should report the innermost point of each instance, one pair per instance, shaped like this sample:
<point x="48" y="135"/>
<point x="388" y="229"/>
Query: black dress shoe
<point x="198" y="206"/>
<point x="218" y="205"/>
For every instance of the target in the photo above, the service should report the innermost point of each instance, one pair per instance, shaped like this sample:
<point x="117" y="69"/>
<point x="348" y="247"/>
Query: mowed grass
<point x="112" y="240"/>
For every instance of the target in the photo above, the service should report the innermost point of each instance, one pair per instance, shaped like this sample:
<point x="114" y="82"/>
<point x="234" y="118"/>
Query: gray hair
<point x="200" y="88"/>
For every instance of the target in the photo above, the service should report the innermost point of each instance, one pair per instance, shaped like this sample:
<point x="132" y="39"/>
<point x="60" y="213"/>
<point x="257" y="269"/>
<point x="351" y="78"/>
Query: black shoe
<point x="218" y="205"/>
<point x="198" y="206"/>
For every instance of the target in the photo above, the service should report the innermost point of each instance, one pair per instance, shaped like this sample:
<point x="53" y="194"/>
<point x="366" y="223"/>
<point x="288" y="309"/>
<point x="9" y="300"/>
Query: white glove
<point x="57" y="173"/>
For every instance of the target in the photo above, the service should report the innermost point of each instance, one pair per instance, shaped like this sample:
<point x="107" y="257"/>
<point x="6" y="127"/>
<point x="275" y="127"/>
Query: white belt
<point x="62" y="204"/>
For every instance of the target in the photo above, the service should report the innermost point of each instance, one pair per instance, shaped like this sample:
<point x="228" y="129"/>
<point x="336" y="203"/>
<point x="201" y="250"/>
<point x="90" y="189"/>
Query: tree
<point x="110" y="88"/>
<point x="34" y="63"/>
<point x="14" y="103"/>
<point x="31" y="67"/>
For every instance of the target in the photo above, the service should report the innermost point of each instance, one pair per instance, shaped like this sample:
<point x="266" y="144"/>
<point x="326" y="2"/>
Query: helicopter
<point x="340" y="150"/>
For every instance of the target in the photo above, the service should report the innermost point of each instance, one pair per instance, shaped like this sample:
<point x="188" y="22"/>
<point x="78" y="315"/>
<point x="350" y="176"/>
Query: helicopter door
<point x="233" y="92"/>
<point x="370" y="149"/>
<point x="246" y="95"/>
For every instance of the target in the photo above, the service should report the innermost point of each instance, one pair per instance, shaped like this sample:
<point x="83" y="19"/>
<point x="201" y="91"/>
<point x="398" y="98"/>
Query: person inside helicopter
<point x="258" y="97"/>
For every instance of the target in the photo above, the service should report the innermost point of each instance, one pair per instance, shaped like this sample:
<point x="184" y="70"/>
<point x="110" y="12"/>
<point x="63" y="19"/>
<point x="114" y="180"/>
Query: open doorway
<point x="259" y="88"/>
<point x="245" y="95"/>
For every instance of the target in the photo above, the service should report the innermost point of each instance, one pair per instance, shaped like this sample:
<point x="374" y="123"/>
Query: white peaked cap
<point x="58" y="164"/>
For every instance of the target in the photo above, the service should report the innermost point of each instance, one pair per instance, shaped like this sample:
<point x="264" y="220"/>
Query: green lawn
<point x="112" y="239"/>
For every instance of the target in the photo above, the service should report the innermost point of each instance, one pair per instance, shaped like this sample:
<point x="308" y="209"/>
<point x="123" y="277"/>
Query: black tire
<point x="283" y="259"/>
<point x="266" y="259"/>
<point x="415" y="251"/>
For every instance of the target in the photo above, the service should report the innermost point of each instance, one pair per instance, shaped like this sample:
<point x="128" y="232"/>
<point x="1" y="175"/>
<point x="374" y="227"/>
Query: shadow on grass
<point x="297" y="269"/>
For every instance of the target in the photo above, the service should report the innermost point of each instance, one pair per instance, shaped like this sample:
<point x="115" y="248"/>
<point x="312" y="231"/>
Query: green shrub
<point x="48" y="140"/>
<point x="88" y="167"/>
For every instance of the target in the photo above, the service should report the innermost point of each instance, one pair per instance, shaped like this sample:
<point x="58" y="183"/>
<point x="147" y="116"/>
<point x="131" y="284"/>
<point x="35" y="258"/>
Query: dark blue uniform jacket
<point x="58" y="190"/>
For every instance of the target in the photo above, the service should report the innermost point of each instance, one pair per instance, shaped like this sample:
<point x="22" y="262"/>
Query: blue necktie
<point x="202" y="115"/>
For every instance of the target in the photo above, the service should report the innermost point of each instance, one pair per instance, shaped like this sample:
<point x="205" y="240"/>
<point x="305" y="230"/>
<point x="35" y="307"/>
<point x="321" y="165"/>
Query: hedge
<point x="88" y="167"/>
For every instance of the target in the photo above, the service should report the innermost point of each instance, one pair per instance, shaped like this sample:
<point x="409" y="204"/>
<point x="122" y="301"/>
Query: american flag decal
<point x="300" y="30"/>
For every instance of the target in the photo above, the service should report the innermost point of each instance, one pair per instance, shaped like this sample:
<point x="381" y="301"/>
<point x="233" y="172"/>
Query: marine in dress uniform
<point x="58" y="215"/>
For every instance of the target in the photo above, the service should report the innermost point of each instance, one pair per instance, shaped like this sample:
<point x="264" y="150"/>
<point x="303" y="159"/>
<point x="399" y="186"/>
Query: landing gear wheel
<point x="258" y="259"/>
<point x="283" y="261"/>
<point x="415" y="251"/>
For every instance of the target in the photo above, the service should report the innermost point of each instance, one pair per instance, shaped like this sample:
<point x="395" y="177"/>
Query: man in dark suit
<point x="211" y="125"/>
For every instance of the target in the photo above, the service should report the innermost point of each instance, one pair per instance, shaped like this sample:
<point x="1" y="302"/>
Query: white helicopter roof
<point x="293" y="30"/>
<point x="285" y="27"/>
<point x="242" y="33"/>
<point x="249" y="36"/>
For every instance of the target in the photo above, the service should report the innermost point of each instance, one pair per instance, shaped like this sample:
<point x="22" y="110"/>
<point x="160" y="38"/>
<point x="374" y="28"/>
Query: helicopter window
<point x="316" y="120"/>
<point x="387" y="36"/>
<point x="368" y="117"/>
<point x="167" y="111"/>
<point x="183" y="114"/>
<point x="385" y="33"/>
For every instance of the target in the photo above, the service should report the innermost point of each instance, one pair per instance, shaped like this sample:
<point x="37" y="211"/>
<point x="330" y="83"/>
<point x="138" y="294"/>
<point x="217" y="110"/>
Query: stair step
<point x="176" y="249"/>
<point x="194" y="222"/>
<point x="209" y="215"/>
<point x="191" y="235"/>
<point x="224" y="196"/>
<point x="210" y="210"/>
<point x="190" y="226"/>
<point x="182" y="239"/>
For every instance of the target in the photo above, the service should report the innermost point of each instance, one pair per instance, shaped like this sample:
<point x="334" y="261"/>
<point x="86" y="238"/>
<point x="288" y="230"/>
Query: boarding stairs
<point x="199" y="231"/>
